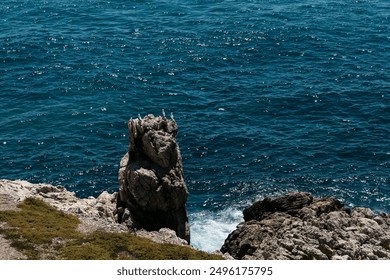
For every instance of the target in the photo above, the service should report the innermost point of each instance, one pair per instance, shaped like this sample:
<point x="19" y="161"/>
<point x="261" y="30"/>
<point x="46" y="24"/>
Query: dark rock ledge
<point x="298" y="226"/>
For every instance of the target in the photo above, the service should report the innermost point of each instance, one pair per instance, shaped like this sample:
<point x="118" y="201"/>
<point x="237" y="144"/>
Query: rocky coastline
<point x="152" y="194"/>
<point x="95" y="214"/>
<point x="298" y="226"/>
<point x="293" y="226"/>
<point x="151" y="203"/>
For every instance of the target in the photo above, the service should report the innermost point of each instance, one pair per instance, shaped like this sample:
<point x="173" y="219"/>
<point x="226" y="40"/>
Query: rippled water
<point x="269" y="97"/>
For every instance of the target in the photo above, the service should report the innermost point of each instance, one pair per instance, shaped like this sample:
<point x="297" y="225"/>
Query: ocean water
<point x="270" y="97"/>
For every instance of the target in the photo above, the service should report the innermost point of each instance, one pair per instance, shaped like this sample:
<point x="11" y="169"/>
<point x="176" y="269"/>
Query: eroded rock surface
<point x="152" y="190"/>
<point x="94" y="213"/>
<point x="298" y="226"/>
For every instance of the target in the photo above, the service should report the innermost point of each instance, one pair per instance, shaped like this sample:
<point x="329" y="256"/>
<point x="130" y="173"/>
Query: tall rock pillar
<point x="152" y="191"/>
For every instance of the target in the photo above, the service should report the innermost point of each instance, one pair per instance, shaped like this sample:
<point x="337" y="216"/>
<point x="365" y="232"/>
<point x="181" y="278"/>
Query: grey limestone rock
<point x="298" y="226"/>
<point x="152" y="190"/>
<point x="94" y="213"/>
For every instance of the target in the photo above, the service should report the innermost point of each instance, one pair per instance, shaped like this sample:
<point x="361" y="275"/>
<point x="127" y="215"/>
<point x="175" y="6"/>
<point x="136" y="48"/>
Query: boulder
<point x="298" y="226"/>
<point x="152" y="190"/>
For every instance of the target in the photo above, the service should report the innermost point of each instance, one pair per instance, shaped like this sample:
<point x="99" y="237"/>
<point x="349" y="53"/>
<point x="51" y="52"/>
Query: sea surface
<point x="270" y="97"/>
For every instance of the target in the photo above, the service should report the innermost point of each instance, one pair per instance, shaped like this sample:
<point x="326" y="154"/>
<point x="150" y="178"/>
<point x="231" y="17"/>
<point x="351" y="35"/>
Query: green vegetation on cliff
<point x="41" y="232"/>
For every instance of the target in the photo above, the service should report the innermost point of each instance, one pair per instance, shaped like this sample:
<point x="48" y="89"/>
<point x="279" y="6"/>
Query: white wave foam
<point x="210" y="229"/>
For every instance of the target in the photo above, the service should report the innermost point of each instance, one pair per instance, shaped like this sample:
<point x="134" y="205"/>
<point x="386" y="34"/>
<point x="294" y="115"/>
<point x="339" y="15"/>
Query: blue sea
<point x="270" y="97"/>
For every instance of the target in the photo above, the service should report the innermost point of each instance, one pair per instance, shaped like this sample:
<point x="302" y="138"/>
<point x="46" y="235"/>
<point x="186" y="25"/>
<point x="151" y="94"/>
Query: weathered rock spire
<point x="152" y="191"/>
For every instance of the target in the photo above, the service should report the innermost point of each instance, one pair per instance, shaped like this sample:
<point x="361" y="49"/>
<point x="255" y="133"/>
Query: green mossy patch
<point x="103" y="245"/>
<point x="33" y="228"/>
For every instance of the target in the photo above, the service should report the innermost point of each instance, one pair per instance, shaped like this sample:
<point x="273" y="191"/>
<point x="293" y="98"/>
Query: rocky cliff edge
<point x="299" y="226"/>
<point x="95" y="214"/>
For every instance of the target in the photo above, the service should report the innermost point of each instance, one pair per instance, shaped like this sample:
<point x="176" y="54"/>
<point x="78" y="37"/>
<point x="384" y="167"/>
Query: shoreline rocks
<point x="95" y="214"/>
<point x="152" y="191"/>
<point x="151" y="198"/>
<point x="294" y="226"/>
<point x="151" y="202"/>
<point x="298" y="226"/>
